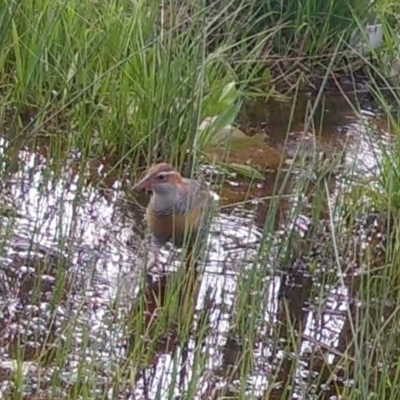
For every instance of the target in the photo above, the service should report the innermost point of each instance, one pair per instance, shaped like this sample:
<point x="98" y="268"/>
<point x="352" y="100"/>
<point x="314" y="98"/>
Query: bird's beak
<point x="143" y="184"/>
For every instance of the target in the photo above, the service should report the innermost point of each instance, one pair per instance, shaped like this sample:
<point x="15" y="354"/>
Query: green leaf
<point x="216" y="132"/>
<point x="229" y="94"/>
<point x="245" y="170"/>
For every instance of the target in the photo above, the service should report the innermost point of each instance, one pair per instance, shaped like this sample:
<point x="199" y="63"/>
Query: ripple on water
<point x="65" y="230"/>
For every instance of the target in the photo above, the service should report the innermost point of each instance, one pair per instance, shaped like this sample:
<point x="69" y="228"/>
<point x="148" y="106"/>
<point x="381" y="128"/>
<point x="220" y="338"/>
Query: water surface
<point x="74" y="251"/>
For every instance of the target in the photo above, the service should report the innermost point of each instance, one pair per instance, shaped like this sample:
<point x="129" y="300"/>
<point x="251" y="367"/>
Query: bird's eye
<point x="161" y="177"/>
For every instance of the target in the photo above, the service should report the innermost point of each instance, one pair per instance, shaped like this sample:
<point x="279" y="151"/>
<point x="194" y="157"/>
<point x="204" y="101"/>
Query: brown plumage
<point x="178" y="208"/>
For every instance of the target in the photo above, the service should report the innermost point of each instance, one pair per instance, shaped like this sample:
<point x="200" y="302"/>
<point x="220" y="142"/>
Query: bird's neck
<point x="168" y="203"/>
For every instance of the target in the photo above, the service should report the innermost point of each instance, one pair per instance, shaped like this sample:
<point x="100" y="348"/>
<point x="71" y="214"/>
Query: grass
<point x="111" y="76"/>
<point x="135" y="79"/>
<point x="93" y="90"/>
<point x="305" y="27"/>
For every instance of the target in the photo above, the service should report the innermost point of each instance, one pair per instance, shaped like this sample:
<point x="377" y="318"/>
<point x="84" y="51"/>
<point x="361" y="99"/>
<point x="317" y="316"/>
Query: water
<point x="74" y="253"/>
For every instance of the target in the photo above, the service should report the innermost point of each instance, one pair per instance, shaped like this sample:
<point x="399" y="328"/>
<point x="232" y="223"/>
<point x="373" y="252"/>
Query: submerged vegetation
<point x="300" y="292"/>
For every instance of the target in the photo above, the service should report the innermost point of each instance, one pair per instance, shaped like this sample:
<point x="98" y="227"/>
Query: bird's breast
<point x="177" y="227"/>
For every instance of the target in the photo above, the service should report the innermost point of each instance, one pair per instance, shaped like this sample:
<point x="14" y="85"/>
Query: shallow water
<point x="82" y="245"/>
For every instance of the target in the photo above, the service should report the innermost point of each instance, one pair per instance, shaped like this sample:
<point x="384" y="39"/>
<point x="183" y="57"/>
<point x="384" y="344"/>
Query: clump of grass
<point x="306" y="27"/>
<point x="280" y="43"/>
<point x="117" y="80"/>
<point x="136" y="79"/>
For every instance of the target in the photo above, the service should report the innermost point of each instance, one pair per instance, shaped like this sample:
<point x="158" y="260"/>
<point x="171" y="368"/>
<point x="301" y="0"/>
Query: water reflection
<point x="333" y="124"/>
<point x="72" y="267"/>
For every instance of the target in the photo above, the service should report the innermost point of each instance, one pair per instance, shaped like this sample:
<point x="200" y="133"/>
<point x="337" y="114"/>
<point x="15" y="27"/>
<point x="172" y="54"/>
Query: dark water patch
<point x="331" y="124"/>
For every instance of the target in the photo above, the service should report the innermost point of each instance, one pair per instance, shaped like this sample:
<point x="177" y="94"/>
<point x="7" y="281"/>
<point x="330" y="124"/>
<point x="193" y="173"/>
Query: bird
<point x="179" y="210"/>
